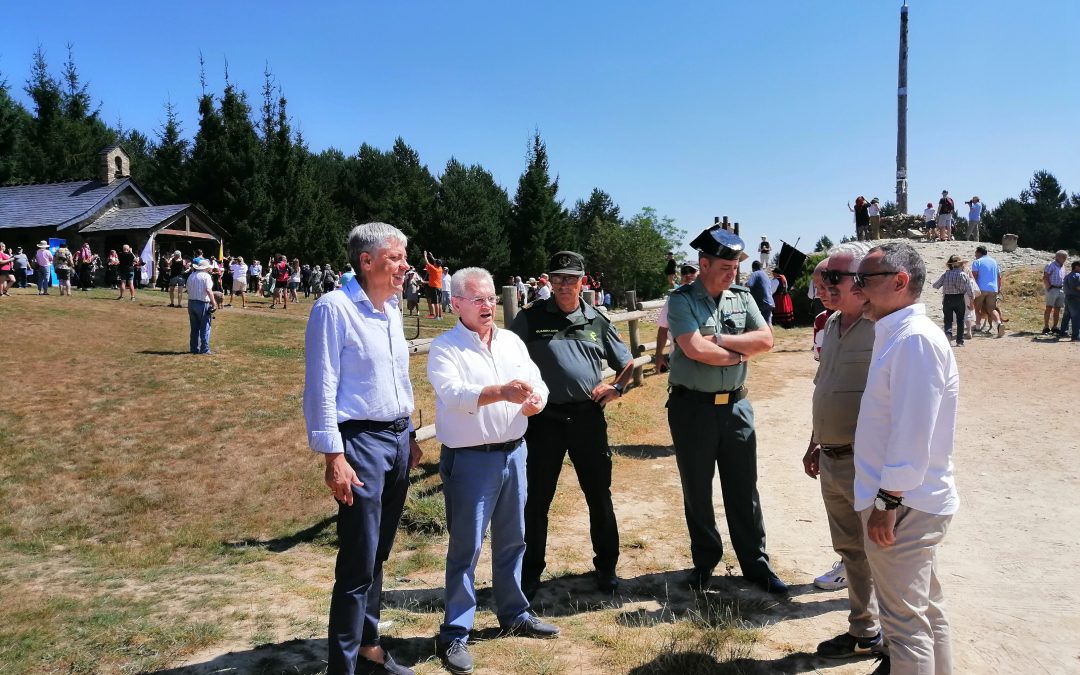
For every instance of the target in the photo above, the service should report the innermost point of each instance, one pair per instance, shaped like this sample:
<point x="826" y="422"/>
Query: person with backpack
<point x="946" y="209"/>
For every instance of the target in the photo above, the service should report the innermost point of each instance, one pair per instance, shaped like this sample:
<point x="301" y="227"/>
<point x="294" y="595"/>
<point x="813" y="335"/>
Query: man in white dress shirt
<point x="485" y="388"/>
<point x="904" y="487"/>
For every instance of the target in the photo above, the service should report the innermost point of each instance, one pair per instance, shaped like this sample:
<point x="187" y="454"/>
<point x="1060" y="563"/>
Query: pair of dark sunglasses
<point x="860" y="278"/>
<point x="833" y="277"/>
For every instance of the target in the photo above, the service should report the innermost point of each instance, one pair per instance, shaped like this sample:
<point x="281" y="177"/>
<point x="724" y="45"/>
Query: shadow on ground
<point x="694" y="663"/>
<point x="297" y="657"/>
<point x="643" y="451"/>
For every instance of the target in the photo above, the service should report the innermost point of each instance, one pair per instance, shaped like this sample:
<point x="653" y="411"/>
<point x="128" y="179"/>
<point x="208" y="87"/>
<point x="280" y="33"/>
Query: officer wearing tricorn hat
<point x="717" y="328"/>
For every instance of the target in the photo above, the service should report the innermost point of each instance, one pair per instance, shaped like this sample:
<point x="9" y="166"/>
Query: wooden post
<point x="510" y="307"/>
<point x="635" y="338"/>
<point x="901" y="115"/>
<point x="589" y="296"/>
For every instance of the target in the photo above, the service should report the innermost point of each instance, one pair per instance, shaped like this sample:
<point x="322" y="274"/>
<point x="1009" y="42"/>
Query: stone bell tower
<point x="114" y="164"/>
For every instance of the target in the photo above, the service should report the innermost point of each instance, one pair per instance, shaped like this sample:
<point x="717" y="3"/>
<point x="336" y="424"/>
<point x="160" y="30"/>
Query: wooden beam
<point x="190" y="235"/>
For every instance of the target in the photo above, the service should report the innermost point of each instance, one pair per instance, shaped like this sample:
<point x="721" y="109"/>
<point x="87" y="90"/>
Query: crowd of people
<point x="939" y="221"/>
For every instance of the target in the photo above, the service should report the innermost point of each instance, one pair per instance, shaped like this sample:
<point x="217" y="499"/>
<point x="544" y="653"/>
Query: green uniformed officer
<point x="717" y="327"/>
<point x="570" y="341"/>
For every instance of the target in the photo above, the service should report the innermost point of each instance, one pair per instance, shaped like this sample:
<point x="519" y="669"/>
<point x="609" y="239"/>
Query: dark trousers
<point x="20" y="277"/>
<point x="366" y="532"/>
<point x="710" y="438"/>
<point x="582" y="430"/>
<point x="953" y="306"/>
<point x="84" y="276"/>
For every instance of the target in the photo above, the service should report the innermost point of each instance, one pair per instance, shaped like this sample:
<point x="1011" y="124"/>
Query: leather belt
<point x="398" y="425"/>
<point x="709" y="397"/>
<point x="1055" y="287"/>
<point x="838" y="450"/>
<point x="508" y="446"/>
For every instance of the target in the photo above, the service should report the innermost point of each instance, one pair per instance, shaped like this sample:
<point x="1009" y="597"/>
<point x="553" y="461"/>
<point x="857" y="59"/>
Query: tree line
<point x="251" y="170"/>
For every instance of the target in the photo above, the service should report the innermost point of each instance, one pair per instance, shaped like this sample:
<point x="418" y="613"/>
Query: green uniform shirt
<point x="690" y="309"/>
<point x="569" y="349"/>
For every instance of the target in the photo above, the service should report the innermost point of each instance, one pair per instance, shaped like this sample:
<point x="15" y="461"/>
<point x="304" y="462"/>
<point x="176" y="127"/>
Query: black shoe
<point x="388" y="667"/>
<point x="607" y="582"/>
<point x="455" y="656"/>
<point x="847" y="645"/>
<point x="533" y="627"/>
<point x="529" y="587"/>
<point x="699" y="579"/>
<point x="1046" y="331"/>
<point x="884" y="667"/>
<point x="770" y="584"/>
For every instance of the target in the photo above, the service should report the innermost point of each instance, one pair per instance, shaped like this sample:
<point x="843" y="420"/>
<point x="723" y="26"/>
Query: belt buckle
<point x="401" y="424"/>
<point x="722" y="398"/>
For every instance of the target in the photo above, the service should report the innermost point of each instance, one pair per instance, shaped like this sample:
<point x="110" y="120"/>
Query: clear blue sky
<point x="773" y="113"/>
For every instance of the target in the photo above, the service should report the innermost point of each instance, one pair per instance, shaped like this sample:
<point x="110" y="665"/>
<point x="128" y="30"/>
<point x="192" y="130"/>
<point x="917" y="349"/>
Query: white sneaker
<point x="834" y="579"/>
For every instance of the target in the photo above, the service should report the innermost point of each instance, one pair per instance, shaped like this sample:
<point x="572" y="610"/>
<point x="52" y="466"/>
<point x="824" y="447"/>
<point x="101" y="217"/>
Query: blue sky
<point x="773" y="113"/>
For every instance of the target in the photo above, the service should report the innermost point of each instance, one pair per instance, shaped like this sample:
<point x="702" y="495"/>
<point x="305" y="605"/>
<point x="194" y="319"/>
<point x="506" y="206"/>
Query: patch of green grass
<point x="425" y="512"/>
<point x="277" y="352"/>
<point x="399" y="566"/>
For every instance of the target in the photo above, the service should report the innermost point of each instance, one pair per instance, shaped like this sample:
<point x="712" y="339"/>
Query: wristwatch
<point x="887" y="502"/>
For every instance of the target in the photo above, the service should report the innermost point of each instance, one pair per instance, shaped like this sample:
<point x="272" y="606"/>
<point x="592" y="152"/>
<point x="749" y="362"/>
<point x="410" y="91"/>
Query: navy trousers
<point x="380" y="457"/>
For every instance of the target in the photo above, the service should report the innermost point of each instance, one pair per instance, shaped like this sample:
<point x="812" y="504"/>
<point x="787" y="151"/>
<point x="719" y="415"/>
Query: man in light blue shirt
<point x="975" y="211"/>
<point x="357" y="405"/>
<point x="761" y="289"/>
<point x="985" y="271"/>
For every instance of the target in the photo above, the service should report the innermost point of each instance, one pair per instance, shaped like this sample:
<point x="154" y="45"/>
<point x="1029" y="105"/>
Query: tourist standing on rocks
<point x="1053" y="279"/>
<point x="946" y="209"/>
<point x="988" y="276"/>
<point x="975" y="211"/>
<point x="904" y="488"/>
<point x="716" y="328"/>
<point x="955" y="285"/>
<point x="764" y="250"/>
<point x="486" y="387"/>
<point x="929" y="215"/>
<point x="357" y="407"/>
<point x="874" y="213"/>
<point x="862" y="218"/>
<point x="847" y="343"/>
<point x="570" y="342"/>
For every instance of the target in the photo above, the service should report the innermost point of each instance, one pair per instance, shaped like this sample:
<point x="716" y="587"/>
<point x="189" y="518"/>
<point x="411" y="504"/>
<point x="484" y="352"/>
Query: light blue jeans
<point x="483" y="488"/>
<point x="199" y="318"/>
<point x="44" y="275"/>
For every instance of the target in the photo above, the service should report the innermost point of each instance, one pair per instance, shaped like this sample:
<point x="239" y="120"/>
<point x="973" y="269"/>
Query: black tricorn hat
<point x="720" y="243"/>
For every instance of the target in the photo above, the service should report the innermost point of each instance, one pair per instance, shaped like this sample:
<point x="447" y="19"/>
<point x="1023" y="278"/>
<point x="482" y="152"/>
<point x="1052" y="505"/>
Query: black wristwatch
<point x="618" y="387"/>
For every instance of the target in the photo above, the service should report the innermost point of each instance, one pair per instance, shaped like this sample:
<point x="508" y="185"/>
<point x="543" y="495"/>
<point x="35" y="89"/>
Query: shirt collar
<point x="888" y="324"/>
<point x="464" y="333"/>
<point x="586" y="311"/>
<point x="356" y="293"/>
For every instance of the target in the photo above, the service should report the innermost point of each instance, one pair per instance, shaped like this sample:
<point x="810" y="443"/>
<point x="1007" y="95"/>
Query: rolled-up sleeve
<point x="916" y="388"/>
<point x="322" y="363"/>
<point x="444" y="373"/>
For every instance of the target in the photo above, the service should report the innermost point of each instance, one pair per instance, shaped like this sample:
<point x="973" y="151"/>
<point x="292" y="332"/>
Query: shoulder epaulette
<point x="685" y="288"/>
<point x="739" y="288"/>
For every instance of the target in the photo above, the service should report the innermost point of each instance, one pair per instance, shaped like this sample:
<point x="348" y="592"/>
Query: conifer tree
<point x="539" y="222"/>
<point x="472" y="215"/>
<point x="13" y="120"/>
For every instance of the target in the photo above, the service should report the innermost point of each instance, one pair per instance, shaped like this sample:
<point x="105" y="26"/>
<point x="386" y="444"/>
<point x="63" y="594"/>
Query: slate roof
<point x="139" y="218"/>
<point x="57" y="204"/>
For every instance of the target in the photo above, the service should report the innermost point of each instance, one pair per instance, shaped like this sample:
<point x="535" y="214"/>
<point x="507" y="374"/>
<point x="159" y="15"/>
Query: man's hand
<point x="811" y="461"/>
<point x="341" y="478"/>
<point x="516" y="391"/>
<point x="660" y="361"/>
<point x="880" y="527"/>
<point x="531" y="406"/>
<point x="415" y="454"/>
<point x="604" y="393"/>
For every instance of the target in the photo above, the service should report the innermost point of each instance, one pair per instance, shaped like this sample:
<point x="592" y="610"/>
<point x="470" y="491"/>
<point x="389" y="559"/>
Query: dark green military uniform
<point x="570" y="350"/>
<point x="712" y="427"/>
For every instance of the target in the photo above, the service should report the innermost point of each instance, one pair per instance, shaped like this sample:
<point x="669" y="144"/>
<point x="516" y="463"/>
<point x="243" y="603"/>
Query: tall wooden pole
<point x="901" y="116"/>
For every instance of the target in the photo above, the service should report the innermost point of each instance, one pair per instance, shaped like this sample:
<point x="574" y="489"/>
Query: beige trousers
<point x="837" y="480"/>
<point x="910" y="600"/>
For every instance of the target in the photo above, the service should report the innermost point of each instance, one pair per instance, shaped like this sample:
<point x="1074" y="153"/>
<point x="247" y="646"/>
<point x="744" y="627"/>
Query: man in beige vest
<point x="848" y="341"/>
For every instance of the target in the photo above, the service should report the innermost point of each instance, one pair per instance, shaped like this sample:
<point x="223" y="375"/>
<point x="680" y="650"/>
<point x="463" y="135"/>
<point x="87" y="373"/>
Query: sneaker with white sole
<point x="847" y="645"/>
<point x="834" y="579"/>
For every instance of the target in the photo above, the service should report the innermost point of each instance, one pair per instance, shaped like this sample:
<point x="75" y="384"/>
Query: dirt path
<point x="1010" y="560"/>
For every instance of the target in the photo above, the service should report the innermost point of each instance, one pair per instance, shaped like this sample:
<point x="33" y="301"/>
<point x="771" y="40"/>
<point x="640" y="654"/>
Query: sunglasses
<point x="860" y="278"/>
<point x="834" y="277"/>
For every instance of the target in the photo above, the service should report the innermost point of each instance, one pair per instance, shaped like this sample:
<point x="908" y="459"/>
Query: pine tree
<point x="13" y="120"/>
<point x="472" y="216"/>
<point x="588" y="215"/>
<point x="539" y="222"/>
<point x="166" y="178"/>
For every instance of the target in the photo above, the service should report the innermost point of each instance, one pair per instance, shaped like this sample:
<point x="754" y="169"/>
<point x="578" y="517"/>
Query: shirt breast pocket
<point x="735" y="323"/>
